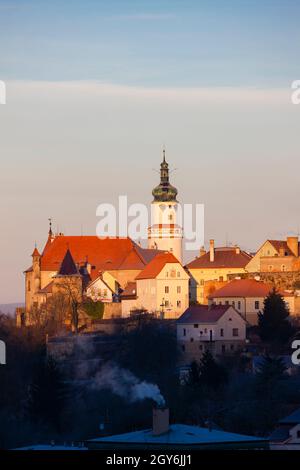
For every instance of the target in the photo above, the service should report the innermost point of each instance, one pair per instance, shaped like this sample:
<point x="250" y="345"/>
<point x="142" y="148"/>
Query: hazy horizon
<point x="94" y="91"/>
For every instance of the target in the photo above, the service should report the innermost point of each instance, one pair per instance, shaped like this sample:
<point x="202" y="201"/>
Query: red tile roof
<point x="102" y="253"/>
<point x="245" y="288"/>
<point x="156" y="265"/>
<point x="226" y="257"/>
<point x="203" y="314"/>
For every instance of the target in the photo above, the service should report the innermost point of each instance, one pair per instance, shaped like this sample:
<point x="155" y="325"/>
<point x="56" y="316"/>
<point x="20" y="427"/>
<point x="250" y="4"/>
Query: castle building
<point x="101" y="268"/>
<point x="165" y="233"/>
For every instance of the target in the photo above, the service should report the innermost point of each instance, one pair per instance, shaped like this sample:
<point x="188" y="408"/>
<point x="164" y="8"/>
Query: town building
<point x="276" y="256"/>
<point x="215" y="265"/>
<point x="247" y="297"/>
<point x="172" y="438"/>
<point x="217" y="328"/>
<point x="161" y="288"/>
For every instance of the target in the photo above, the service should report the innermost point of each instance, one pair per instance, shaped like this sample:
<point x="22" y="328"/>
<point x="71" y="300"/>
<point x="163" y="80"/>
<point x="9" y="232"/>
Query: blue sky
<point x="94" y="90"/>
<point x="151" y="43"/>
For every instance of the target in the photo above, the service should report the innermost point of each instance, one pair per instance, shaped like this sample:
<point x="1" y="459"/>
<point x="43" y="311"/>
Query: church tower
<point x="165" y="233"/>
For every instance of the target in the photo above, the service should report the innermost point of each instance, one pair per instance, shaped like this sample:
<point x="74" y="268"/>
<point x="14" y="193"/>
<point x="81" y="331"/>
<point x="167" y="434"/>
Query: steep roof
<point x="156" y="265"/>
<point x="203" y="314"/>
<point x="224" y="257"/>
<point x="103" y="254"/>
<point x="293" y="418"/>
<point x="68" y="266"/>
<point x="245" y="288"/>
<point x="35" y="252"/>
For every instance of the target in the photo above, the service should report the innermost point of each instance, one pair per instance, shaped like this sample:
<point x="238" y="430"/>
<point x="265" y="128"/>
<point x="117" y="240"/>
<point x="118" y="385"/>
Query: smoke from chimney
<point x="125" y="384"/>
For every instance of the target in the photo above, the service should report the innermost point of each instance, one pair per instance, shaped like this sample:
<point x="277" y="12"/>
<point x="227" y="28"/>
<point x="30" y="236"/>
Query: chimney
<point x="292" y="243"/>
<point x="237" y="250"/>
<point x="202" y="251"/>
<point x="160" y="421"/>
<point x="211" y="250"/>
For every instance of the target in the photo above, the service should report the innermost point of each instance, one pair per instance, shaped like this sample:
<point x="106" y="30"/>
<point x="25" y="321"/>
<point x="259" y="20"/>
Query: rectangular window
<point x="226" y="302"/>
<point x="256" y="305"/>
<point x="223" y="348"/>
<point x="28" y="286"/>
<point x="239" y="305"/>
<point x="184" y="332"/>
<point x="178" y="273"/>
<point x="233" y="303"/>
<point x="221" y="332"/>
<point x="166" y="303"/>
<point x="196" y="325"/>
<point x="166" y="289"/>
<point x="178" y="303"/>
<point x="235" y="332"/>
<point x="178" y="289"/>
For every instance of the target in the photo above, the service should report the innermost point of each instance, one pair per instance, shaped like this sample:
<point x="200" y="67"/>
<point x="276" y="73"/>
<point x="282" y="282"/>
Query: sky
<point x="96" y="88"/>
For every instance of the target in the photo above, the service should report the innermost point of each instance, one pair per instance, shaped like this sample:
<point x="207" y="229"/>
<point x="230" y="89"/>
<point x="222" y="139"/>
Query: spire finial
<point x="50" y="226"/>
<point x="164" y="153"/>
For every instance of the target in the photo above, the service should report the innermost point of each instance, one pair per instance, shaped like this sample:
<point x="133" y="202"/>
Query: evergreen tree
<point x="212" y="374"/>
<point x="47" y="395"/>
<point x="273" y="322"/>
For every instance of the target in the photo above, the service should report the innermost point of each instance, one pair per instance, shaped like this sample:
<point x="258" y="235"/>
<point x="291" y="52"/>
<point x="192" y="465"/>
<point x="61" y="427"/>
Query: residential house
<point x="215" y="265"/>
<point x="218" y="328"/>
<point x="276" y="256"/>
<point x="247" y="297"/>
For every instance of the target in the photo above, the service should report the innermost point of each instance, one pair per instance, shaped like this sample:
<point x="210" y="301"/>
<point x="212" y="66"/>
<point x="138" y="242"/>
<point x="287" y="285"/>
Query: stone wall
<point x="281" y="280"/>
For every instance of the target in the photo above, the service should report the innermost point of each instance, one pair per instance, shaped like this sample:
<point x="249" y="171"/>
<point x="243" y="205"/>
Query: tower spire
<point x="50" y="227"/>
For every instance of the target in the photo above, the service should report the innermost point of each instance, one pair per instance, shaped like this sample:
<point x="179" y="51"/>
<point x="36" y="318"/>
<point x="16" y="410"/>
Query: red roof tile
<point x="223" y="258"/>
<point x="203" y="314"/>
<point x="245" y="288"/>
<point x="103" y="253"/>
<point x="156" y="265"/>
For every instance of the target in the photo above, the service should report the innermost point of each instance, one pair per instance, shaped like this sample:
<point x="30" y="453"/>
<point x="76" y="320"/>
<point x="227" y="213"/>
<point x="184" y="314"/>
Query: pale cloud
<point x="143" y="17"/>
<point x="196" y="95"/>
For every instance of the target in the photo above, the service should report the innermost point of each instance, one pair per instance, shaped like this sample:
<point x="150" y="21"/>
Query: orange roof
<point x="155" y="266"/>
<point x="102" y="253"/>
<point x="226" y="257"/>
<point x="245" y="288"/>
<point x="35" y="252"/>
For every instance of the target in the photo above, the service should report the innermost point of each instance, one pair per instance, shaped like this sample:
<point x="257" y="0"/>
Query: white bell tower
<point x="165" y="233"/>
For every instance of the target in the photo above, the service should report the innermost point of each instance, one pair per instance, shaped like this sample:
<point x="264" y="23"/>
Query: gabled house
<point x="162" y="288"/>
<point x="217" y="328"/>
<point x="276" y="256"/>
<point x="247" y="297"/>
<point x="214" y="266"/>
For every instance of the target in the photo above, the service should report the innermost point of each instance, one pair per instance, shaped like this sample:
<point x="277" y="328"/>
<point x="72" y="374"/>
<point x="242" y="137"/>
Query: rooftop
<point x="224" y="257"/>
<point x="179" y="434"/>
<point x="245" y="288"/>
<point x="204" y="314"/>
<point x="155" y="266"/>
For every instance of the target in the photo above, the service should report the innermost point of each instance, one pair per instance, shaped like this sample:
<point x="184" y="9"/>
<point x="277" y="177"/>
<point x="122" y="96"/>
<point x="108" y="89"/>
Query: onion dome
<point x="164" y="192"/>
